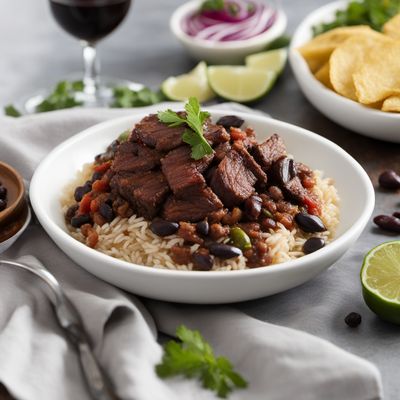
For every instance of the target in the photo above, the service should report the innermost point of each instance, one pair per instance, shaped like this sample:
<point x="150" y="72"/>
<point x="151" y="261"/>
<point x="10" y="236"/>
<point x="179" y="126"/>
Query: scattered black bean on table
<point x="388" y="223"/>
<point x="309" y="223"/>
<point x="389" y="180"/>
<point x="353" y="319"/>
<point x="313" y="244"/>
<point x="161" y="227"/>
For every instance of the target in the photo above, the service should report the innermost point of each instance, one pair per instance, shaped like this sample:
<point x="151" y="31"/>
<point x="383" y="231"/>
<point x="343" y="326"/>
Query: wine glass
<point x="90" y="21"/>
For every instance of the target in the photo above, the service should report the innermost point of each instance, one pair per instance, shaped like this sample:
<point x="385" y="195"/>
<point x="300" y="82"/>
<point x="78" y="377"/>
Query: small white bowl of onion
<point x="228" y="35"/>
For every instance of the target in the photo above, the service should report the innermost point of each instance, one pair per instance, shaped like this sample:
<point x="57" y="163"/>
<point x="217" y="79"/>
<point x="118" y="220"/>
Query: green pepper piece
<point x="123" y="137"/>
<point x="240" y="239"/>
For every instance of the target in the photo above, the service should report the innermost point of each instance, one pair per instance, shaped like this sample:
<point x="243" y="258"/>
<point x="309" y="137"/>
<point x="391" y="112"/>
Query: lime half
<point x="380" y="278"/>
<point x="240" y="83"/>
<point x="192" y="84"/>
<point x="273" y="60"/>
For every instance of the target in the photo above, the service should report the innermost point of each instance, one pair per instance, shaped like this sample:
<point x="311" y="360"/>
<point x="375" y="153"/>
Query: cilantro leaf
<point x="11" y="111"/>
<point x="195" y="119"/>
<point x="170" y="118"/>
<point x="63" y="96"/>
<point x="193" y="357"/>
<point x="124" y="97"/>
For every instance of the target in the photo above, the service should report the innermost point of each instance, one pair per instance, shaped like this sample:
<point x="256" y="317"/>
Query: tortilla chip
<point x="323" y="76"/>
<point x="379" y="77"/>
<point x="391" y="104"/>
<point x="318" y="50"/>
<point x="392" y="27"/>
<point x="348" y="58"/>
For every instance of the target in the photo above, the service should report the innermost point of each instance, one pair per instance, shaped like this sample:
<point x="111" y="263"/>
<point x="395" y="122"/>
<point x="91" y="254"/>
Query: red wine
<point x="89" y="20"/>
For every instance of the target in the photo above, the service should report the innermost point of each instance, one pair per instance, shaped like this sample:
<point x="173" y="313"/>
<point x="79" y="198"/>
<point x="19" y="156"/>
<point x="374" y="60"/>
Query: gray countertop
<point x="36" y="53"/>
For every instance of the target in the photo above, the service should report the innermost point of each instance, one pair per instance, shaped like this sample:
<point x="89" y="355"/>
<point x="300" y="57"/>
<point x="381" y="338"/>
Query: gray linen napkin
<point x="37" y="362"/>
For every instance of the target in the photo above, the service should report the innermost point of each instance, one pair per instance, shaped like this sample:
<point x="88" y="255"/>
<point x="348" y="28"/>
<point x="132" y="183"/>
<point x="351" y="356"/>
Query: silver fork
<point x="68" y="318"/>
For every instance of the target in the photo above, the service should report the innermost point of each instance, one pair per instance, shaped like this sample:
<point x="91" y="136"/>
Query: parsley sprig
<point x="195" y="119"/>
<point x="366" y="12"/>
<point x="193" y="357"/>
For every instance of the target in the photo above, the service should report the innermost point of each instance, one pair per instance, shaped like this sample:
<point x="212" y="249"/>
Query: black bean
<point x="71" y="212"/>
<point x="252" y="208"/>
<point x="3" y="204"/>
<point x="80" y="191"/>
<point x="353" y="319"/>
<point x="107" y="212"/>
<point x="229" y="121"/>
<point x="389" y="180"/>
<point x="3" y="192"/>
<point x="309" y="223"/>
<point x="202" y="262"/>
<point x="224" y="251"/>
<point x="114" y="145"/>
<point x="283" y="170"/>
<point x="313" y="244"/>
<point x="96" y="176"/>
<point x="388" y="222"/>
<point x="202" y="228"/>
<point x="80" y="220"/>
<point x="160" y="227"/>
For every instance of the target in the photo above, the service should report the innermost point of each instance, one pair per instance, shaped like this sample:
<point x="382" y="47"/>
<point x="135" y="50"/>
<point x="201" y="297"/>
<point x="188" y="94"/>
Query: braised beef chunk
<point x="269" y="151"/>
<point x="215" y="134"/>
<point x="135" y="157"/>
<point x="250" y="163"/>
<point x="192" y="209"/>
<point x="181" y="255"/>
<point x="232" y="181"/>
<point x="183" y="173"/>
<point x="221" y="150"/>
<point x="154" y="133"/>
<point x="145" y="192"/>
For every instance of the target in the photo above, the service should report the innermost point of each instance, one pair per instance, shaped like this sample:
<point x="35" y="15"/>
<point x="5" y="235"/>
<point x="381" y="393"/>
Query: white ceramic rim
<point x="274" y="31"/>
<point x="328" y="251"/>
<point x="299" y="64"/>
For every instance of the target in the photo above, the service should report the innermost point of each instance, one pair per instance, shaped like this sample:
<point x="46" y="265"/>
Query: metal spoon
<point x="69" y="320"/>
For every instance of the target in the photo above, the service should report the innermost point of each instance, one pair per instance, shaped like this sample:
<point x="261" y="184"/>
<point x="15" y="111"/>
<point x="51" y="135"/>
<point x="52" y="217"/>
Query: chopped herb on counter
<point x="193" y="357"/>
<point x="62" y="97"/>
<point x="127" y="98"/>
<point x="11" y="111"/>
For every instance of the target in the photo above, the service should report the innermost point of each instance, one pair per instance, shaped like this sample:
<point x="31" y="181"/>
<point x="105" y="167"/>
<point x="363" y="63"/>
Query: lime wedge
<point x="192" y="84"/>
<point x="380" y="279"/>
<point x="239" y="83"/>
<point x="273" y="60"/>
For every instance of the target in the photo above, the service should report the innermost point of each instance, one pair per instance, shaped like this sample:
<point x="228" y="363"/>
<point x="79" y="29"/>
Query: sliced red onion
<point x="221" y="26"/>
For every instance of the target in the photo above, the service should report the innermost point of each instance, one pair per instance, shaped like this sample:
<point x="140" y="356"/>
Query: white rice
<point x="131" y="239"/>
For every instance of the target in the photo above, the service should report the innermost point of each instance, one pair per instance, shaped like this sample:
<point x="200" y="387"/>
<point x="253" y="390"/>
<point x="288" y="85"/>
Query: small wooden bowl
<point x="16" y="202"/>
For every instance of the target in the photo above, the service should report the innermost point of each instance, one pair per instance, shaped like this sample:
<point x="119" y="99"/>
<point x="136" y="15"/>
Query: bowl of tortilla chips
<point x="351" y="74"/>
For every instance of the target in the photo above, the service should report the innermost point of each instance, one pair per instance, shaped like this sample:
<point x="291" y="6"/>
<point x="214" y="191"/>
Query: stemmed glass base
<point x="102" y="98"/>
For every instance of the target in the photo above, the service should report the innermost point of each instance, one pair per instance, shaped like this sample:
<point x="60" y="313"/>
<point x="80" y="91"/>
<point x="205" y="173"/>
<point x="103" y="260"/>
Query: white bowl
<point x="223" y="52"/>
<point x="353" y="184"/>
<point x="345" y="112"/>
